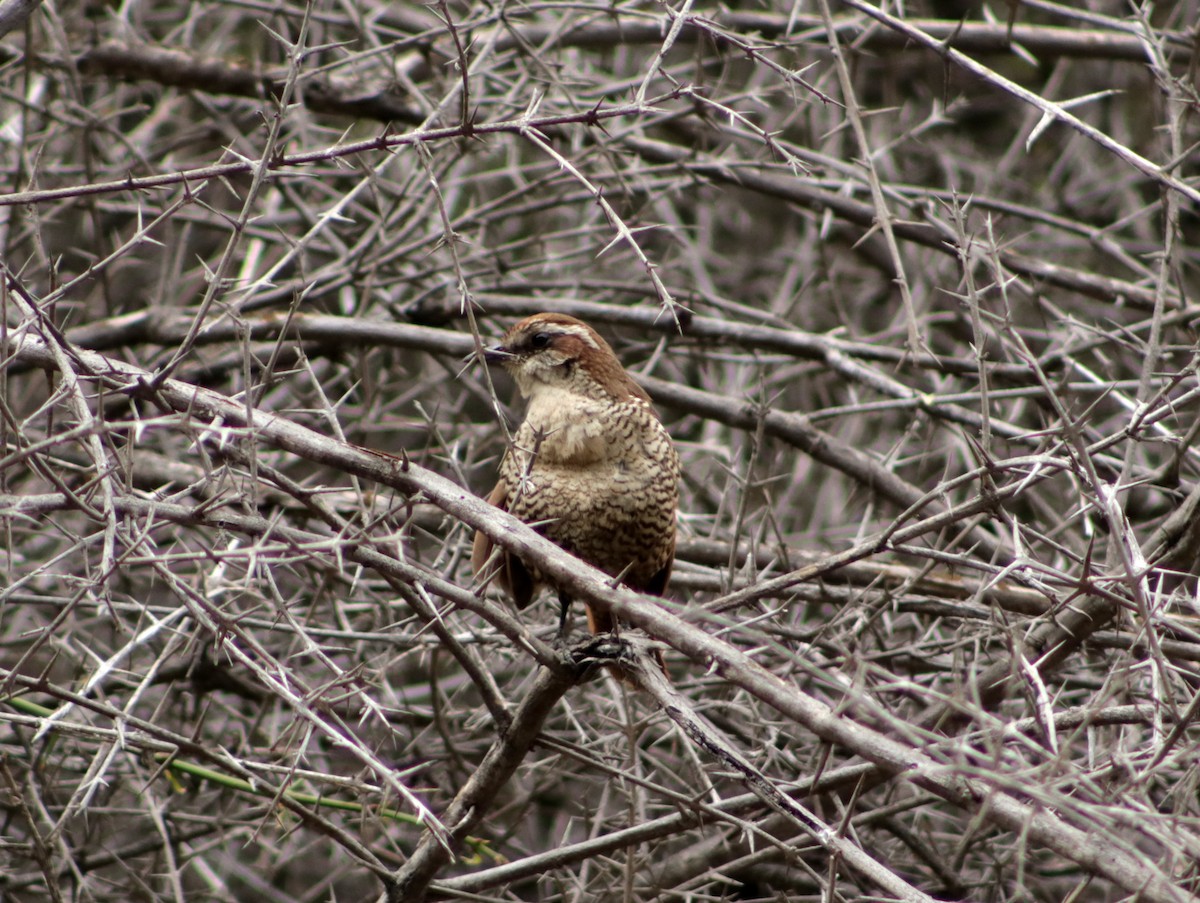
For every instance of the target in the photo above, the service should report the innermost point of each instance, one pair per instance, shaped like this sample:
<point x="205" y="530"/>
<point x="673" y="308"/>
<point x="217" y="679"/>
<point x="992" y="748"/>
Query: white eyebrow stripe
<point x="564" y="329"/>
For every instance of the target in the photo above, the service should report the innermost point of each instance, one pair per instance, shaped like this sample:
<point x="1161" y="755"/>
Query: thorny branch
<point x="934" y="598"/>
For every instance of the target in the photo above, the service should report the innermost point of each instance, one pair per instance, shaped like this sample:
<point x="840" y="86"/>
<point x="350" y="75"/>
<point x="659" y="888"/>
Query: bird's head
<point x="560" y="353"/>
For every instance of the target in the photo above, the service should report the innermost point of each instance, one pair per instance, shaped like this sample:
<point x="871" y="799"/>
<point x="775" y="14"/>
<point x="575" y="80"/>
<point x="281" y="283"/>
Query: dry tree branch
<point x="707" y="737"/>
<point x="989" y="801"/>
<point x="883" y="216"/>
<point x="384" y="142"/>
<point x="928" y="234"/>
<point x="845" y="778"/>
<point x="152" y="737"/>
<point x="1002" y="615"/>
<point x="14" y="13"/>
<point x="1056" y="111"/>
<point x="410" y="884"/>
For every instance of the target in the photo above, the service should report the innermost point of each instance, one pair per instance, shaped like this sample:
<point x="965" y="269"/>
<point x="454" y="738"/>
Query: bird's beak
<point x="497" y="354"/>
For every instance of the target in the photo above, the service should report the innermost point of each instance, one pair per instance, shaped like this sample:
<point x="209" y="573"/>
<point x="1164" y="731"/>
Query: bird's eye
<point x="540" y="340"/>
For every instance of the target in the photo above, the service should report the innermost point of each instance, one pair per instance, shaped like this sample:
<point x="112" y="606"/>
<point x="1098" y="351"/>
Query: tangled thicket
<point x="910" y="286"/>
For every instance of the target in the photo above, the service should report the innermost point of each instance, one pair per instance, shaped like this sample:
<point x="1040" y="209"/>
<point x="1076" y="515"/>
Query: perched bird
<point x="591" y="468"/>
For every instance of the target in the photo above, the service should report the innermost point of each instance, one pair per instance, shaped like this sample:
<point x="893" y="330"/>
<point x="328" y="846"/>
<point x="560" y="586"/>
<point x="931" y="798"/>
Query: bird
<point x="591" y="467"/>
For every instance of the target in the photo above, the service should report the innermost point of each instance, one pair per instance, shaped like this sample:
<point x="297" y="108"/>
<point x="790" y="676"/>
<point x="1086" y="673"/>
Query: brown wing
<point x="509" y="573"/>
<point x="657" y="585"/>
<point x="481" y="549"/>
<point x="602" y="621"/>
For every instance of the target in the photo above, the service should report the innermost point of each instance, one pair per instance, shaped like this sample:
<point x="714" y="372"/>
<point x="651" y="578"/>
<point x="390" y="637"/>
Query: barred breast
<point x="602" y="481"/>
